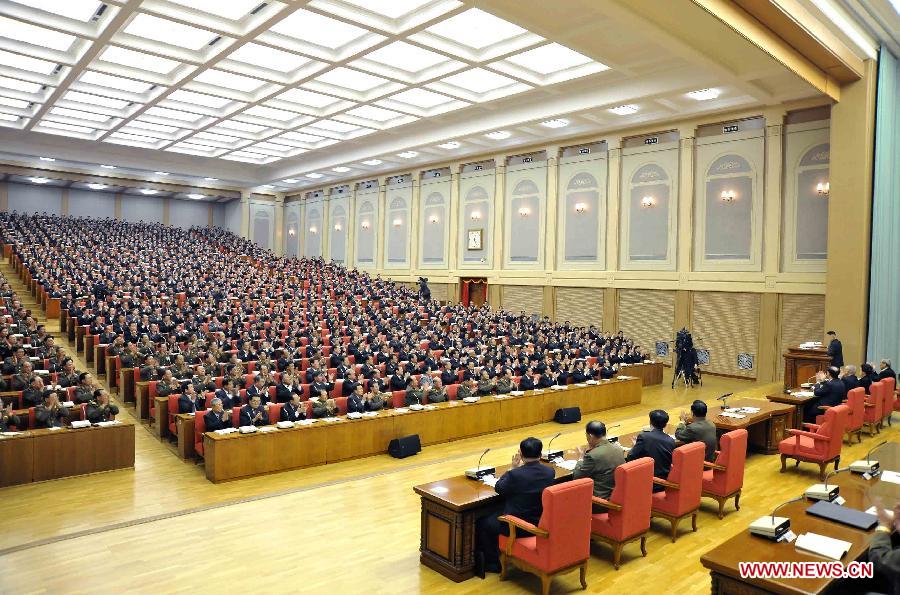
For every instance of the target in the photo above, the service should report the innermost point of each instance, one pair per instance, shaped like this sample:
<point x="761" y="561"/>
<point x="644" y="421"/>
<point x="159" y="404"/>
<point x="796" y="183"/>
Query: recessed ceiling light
<point x="161" y="173"/>
<point x="624" y="110"/>
<point x="196" y="196"/>
<point x="291" y="181"/>
<point x="211" y="179"/>
<point x="39" y="180"/>
<point x="407" y="154"/>
<point x="314" y="175"/>
<point x="373" y="162"/>
<point x="453" y="144"/>
<point x="704" y="94"/>
<point x="340" y="169"/>
<point x="96" y="186"/>
<point x="148" y="191"/>
<point x="557" y="123"/>
<point x="498" y="134"/>
<point x="47" y="159"/>
<point x="108" y="166"/>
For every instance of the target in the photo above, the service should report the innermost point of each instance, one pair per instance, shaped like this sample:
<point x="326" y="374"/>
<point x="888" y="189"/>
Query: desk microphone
<point x="821" y="491"/>
<point x="724" y="399"/>
<point x="478" y="472"/>
<point x="867" y="466"/>
<point x="551" y="455"/>
<point x="612" y="439"/>
<point x="771" y="526"/>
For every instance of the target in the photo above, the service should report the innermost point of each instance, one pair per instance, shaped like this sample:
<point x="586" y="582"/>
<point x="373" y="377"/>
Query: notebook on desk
<point x="820" y="545"/>
<point x="841" y="514"/>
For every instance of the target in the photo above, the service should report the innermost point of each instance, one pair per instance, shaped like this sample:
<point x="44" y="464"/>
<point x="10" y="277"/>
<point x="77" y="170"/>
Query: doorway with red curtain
<point x="473" y="291"/>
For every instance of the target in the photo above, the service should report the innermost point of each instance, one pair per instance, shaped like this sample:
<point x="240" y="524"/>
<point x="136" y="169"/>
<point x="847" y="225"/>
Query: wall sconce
<point x="728" y="196"/>
<point x="580" y="207"/>
<point x="398" y="222"/>
<point x="433" y="219"/>
<point x="476" y="215"/>
<point x="648" y="202"/>
<point x="524" y="212"/>
<point x="291" y="232"/>
<point x="822" y="188"/>
<point x="338" y="227"/>
<point x="313" y="230"/>
<point x="364" y="225"/>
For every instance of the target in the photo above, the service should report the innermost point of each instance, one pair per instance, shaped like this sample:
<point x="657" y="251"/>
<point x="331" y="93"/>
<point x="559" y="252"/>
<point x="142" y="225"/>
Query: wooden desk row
<point x="38" y="455"/>
<point x="231" y="456"/>
<point x="723" y="560"/>
<point x="649" y="374"/>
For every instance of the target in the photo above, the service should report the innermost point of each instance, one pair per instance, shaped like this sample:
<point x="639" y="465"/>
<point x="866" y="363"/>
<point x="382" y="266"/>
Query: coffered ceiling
<point x="288" y="94"/>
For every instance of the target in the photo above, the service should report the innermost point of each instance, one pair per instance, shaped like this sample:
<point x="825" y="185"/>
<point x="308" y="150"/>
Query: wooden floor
<point x="351" y="527"/>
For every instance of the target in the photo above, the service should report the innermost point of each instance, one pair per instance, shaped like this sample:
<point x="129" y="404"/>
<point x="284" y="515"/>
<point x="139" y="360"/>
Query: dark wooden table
<point x="766" y="428"/>
<point x="723" y="560"/>
<point x="798" y="402"/>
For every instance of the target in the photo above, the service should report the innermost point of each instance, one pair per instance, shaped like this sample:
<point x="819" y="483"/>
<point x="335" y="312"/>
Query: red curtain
<point x="465" y="291"/>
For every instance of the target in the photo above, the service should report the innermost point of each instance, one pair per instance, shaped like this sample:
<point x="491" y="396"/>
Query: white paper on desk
<point x="749" y="409"/>
<point x="581" y="384"/>
<point x="8" y="434"/>
<point x="538" y="391"/>
<point x="331" y="420"/>
<point x="591" y="382"/>
<point x="305" y="422"/>
<point x="106" y="424"/>
<point x="890" y="476"/>
<point x="516" y="393"/>
<point x="732" y="415"/>
<point x="804" y="393"/>
<point x="264" y="429"/>
<point x="621" y="377"/>
<point x="821" y="545"/>
<point x="401" y="410"/>
<point x="568" y="464"/>
<point x="68" y="403"/>
<point x="489" y="480"/>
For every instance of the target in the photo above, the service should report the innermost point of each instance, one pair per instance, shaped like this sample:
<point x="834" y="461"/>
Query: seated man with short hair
<point x="599" y="460"/>
<point x="655" y="444"/>
<point x="253" y="413"/>
<point x="216" y="418"/>
<point x="698" y="429"/>
<point x="100" y="409"/>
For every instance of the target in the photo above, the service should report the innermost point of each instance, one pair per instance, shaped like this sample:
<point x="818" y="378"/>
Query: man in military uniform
<point x="599" y="460"/>
<point x="414" y="393"/>
<point x="466" y="390"/>
<point x="150" y="370"/>
<point x="7" y="418"/>
<point x="437" y="393"/>
<point x="51" y="413"/>
<point x="505" y="384"/>
<point x="33" y="395"/>
<point x="100" y="409"/>
<point x="84" y="392"/>
<point x="375" y="400"/>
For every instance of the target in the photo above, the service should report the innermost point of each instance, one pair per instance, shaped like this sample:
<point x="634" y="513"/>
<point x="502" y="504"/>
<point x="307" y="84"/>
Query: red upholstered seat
<point x="173" y="411"/>
<point x="398" y="398"/>
<point x="341" y="403"/>
<point x="856" y="402"/>
<point x="451" y="391"/>
<point x="275" y="412"/>
<point x="887" y="407"/>
<point x="562" y="541"/>
<point x="236" y="417"/>
<point x="336" y="391"/>
<point x="199" y="430"/>
<point x="874" y="405"/>
<point x="628" y="516"/>
<point x="152" y="393"/>
<point x="821" y="444"/>
<point x="725" y="477"/>
<point x="681" y="498"/>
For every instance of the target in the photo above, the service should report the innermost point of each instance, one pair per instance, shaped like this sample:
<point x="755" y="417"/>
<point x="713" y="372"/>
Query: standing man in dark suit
<point x="698" y="429"/>
<point x="521" y="488"/>
<point x="835" y="350"/>
<point x="655" y="444"/>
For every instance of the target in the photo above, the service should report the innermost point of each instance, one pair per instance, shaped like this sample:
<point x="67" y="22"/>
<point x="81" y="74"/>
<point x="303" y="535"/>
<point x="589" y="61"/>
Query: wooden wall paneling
<point x="727" y="324"/>
<point x="581" y="306"/>
<point x="802" y="319"/>
<point x="647" y="316"/>
<point x="529" y="298"/>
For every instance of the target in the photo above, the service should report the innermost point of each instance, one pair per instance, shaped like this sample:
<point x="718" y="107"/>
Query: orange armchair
<point x="874" y="405"/>
<point x="561" y="541"/>
<point x="724" y="479"/>
<point x="821" y="445"/>
<point x="856" y="401"/>
<point x="628" y="516"/>
<point x="889" y="404"/>
<point x="681" y="498"/>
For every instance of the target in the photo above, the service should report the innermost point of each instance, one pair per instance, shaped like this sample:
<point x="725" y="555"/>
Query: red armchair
<point x="856" y="401"/>
<point x="561" y="541"/>
<point x="173" y="411"/>
<point x="887" y="408"/>
<point x="821" y="444"/>
<point x="681" y="498"/>
<point x="724" y="479"/>
<point x="874" y="404"/>
<point x="199" y="430"/>
<point x="628" y="516"/>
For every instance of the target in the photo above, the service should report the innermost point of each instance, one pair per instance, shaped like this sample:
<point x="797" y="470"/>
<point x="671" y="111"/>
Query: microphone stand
<point x="478" y="472"/>
<point x="552" y="455"/>
<point x="868" y="466"/>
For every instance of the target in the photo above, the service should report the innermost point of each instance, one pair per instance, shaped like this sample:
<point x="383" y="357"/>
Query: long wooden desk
<point x="38" y="455"/>
<point x="126" y="384"/>
<point x="796" y="401"/>
<point x="231" y="456"/>
<point x="649" y="374"/>
<point x="723" y="560"/>
<point x="766" y="428"/>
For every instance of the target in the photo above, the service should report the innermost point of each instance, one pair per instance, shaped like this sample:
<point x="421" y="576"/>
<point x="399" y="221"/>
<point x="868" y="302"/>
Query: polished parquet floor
<point x="351" y="527"/>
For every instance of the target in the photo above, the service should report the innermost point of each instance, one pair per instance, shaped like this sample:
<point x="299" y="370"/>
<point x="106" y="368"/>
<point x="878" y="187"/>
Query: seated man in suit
<point x="356" y="403"/>
<point x="253" y="413"/>
<point x="168" y="385"/>
<point x="599" y="459"/>
<point x="414" y="394"/>
<point x="848" y="377"/>
<point x="293" y="410"/>
<point x="286" y="389"/>
<point x="698" y="429"/>
<point x="829" y="391"/>
<point x="100" y="409"/>
<point x="229" y="395"/>
<point x="869" y="375"/>
<point x="655" y="444"/>
<point x="437" y="393"/>
<point x="7" y="418"/>
<point x="259" y="389"/>
<point x="50" y="413"/>
<point x="188" y="401"/>
<point x="33" y="395"/>
<point x="886" y="371"/>
<point x="448" y="375"/>
<point x="486" y="386"/>
<point x="521" y="488"/>
<point x="216" y="418"/>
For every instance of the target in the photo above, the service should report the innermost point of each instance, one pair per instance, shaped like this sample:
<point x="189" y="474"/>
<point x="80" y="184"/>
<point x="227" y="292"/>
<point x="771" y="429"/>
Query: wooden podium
<point x="802" y="364"/>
